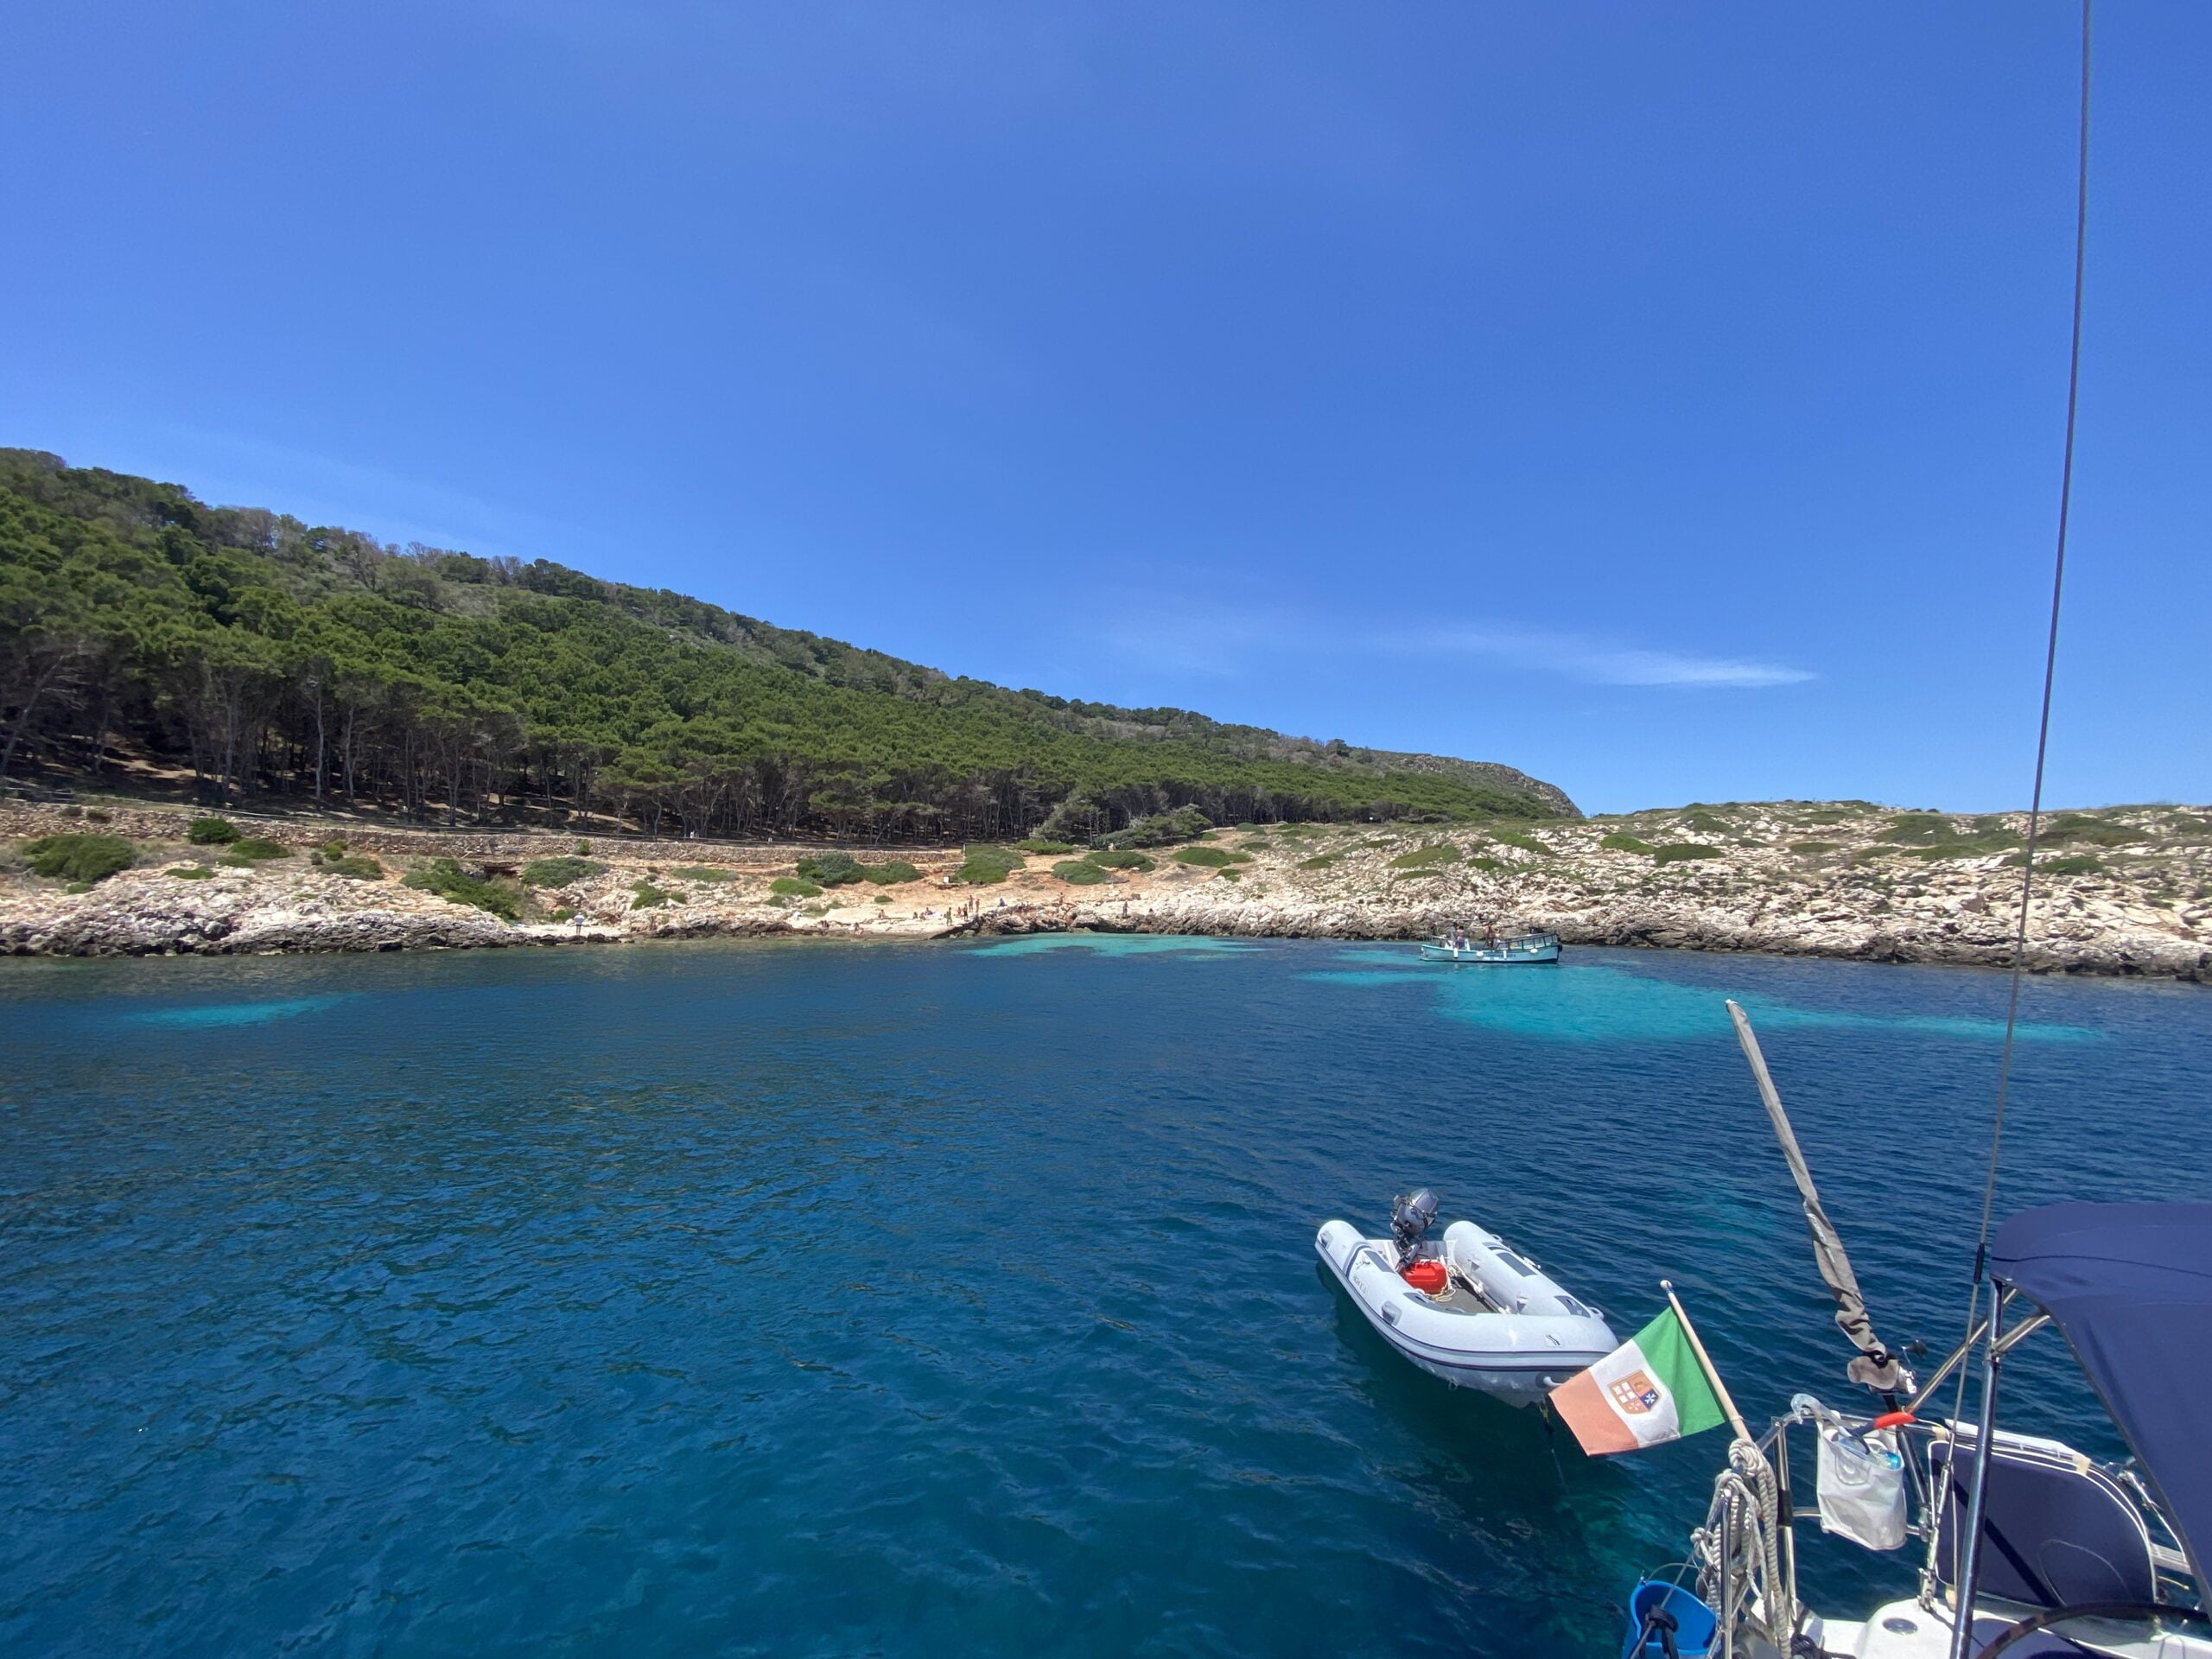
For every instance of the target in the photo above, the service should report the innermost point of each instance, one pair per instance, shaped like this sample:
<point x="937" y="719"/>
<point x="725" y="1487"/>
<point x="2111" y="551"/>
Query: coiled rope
<point x="1739" y="1551"/>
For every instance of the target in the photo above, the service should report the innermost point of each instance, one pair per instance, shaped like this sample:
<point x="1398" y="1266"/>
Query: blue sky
<point x="1664" y="400"/>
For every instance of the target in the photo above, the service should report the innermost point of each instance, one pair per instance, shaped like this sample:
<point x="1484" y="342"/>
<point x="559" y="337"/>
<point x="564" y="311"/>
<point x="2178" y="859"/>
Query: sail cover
<point x="2131" y="1286"/>
<point x="1874" y="1365"/>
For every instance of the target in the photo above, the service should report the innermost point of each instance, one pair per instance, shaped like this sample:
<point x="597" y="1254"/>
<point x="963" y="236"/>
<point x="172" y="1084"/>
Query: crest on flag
<point x="1634" y="1394"/>
<point x="1654" y="1388"/>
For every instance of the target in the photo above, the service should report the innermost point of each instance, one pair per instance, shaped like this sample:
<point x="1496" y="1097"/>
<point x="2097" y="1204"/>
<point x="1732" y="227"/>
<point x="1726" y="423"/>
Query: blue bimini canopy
<point x="2131" y="1286"/>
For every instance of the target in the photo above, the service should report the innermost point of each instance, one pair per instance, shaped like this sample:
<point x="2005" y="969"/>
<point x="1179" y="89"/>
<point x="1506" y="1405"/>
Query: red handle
<point x="1893" y="1420"/>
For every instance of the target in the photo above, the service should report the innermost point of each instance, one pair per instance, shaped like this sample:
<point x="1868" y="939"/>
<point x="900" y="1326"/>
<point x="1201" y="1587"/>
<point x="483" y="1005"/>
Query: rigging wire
<point x="2035" y="801"/>
<point x="2043" y="731"/>
<point x="2050" y="663"/>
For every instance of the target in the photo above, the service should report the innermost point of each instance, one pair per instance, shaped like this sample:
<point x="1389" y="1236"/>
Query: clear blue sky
<point x="1666" y="400"/>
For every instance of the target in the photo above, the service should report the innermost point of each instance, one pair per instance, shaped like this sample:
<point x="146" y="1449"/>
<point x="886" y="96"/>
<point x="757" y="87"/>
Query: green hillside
<point x="141" y="630"/>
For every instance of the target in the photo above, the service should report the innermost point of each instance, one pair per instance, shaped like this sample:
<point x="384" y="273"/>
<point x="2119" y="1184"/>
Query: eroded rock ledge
<point x="2124" y="891"/>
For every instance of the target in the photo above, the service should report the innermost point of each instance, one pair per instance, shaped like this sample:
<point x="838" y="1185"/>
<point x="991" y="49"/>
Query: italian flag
<point x="1649" y="1389"/>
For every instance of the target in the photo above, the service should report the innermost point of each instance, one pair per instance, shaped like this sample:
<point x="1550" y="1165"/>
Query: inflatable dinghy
<point x="1471" y="1310"/>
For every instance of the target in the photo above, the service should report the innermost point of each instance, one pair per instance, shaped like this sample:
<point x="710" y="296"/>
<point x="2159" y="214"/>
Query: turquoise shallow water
<point x="827" y="1298"/>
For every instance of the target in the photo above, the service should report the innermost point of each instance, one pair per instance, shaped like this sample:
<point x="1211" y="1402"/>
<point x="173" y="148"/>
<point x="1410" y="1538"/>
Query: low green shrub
<point x="2097" y="832"/>
<point x="558" y="872"/>
<point x="892" y="872"/>
<point x="97" y="815"/>
<point x="791" y="887"/>
<point x="78" y="858"/>
<point x="335" y="848"/>
<point x="1478" y="862"/>
<point x="1045" y="848"/>
<point x="985" y="865"/>
<point x="646" y="896"/>
<point x="1441" y="853"/>
<point x="1160" y="829"/>
<point x="354" y="866"/>
<point x="1621" y="843"/>
<point x="251" y="849"/>
<point x="583" y="848"/>
<point x="1704" y="824"/>
<point x="829" y="869"/>
<point x="446" y="879"/>
<point x="1675" y="852"/>
<point x="1318" y="862"/>
<point x="1919" y="828"/>
<point x="1212" y="857"/>
<point x="1937" y="835"/>
<point x="1108" y="858"/>
<point x="1079" y="872"/>
<point x="190" y="873"/>
<point x="2066" y="864"/>
<point x="1515" y="838"/>
<point x="1228" y="875"/>
<point x="705" y="873"/>
<point x="1814" y="846"/>
<point x="210" y="832"/>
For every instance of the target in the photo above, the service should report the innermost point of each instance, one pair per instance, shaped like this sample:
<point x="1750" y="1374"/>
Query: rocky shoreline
<point x="2123" y="891"/>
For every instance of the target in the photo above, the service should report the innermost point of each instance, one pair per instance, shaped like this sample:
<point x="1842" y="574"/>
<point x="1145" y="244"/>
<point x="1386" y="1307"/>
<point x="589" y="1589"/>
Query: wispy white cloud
<point x="1191" y="642"/>
<point x="1604" y="663"/>
<point x="1224" y="644"/>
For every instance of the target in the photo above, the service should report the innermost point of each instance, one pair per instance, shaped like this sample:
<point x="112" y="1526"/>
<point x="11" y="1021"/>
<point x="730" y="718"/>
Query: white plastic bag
<point x="1862" y="1487"/>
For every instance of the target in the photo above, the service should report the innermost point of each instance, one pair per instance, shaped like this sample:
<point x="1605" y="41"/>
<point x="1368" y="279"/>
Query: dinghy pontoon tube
<point x="1495" y="1321"/>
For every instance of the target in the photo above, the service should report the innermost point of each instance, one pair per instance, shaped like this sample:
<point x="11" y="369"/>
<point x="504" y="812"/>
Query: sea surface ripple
<point x="776" y="1299"/>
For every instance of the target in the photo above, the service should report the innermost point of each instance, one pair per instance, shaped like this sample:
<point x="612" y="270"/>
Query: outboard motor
<point x="1410" y="1218"/>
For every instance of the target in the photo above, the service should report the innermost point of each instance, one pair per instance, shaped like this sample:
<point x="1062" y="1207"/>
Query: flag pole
<point x="1704" y="1360"/>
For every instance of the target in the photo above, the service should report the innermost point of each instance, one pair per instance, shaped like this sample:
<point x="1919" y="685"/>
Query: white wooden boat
<point x="1522" y="948"/>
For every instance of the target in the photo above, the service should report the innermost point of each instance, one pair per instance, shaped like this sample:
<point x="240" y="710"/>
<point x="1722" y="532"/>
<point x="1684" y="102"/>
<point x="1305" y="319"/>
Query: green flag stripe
<point x="1667" y="1348"/>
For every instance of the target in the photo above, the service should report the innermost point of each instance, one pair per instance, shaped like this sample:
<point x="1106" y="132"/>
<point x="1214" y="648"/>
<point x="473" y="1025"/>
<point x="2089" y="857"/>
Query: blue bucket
<point x="1695" y="1623"/>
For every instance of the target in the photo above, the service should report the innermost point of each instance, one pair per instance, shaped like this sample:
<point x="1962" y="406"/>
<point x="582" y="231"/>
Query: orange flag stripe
<point x="1581" y="1405"/>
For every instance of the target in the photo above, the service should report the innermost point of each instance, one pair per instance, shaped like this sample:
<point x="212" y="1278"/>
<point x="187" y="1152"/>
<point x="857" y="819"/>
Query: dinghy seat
<point x="2057" y="1531"/>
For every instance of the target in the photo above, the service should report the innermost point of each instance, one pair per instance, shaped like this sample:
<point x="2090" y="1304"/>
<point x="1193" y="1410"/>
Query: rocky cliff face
<point x="2121" y="891"/>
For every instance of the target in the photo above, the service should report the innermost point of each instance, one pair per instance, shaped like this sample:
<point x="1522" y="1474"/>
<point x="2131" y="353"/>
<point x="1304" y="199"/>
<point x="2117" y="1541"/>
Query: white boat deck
<point x="1905" y="1629"/>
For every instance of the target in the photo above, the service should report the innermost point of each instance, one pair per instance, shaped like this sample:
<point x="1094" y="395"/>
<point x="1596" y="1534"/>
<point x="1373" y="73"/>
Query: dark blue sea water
<point x="816" y="1298"/>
